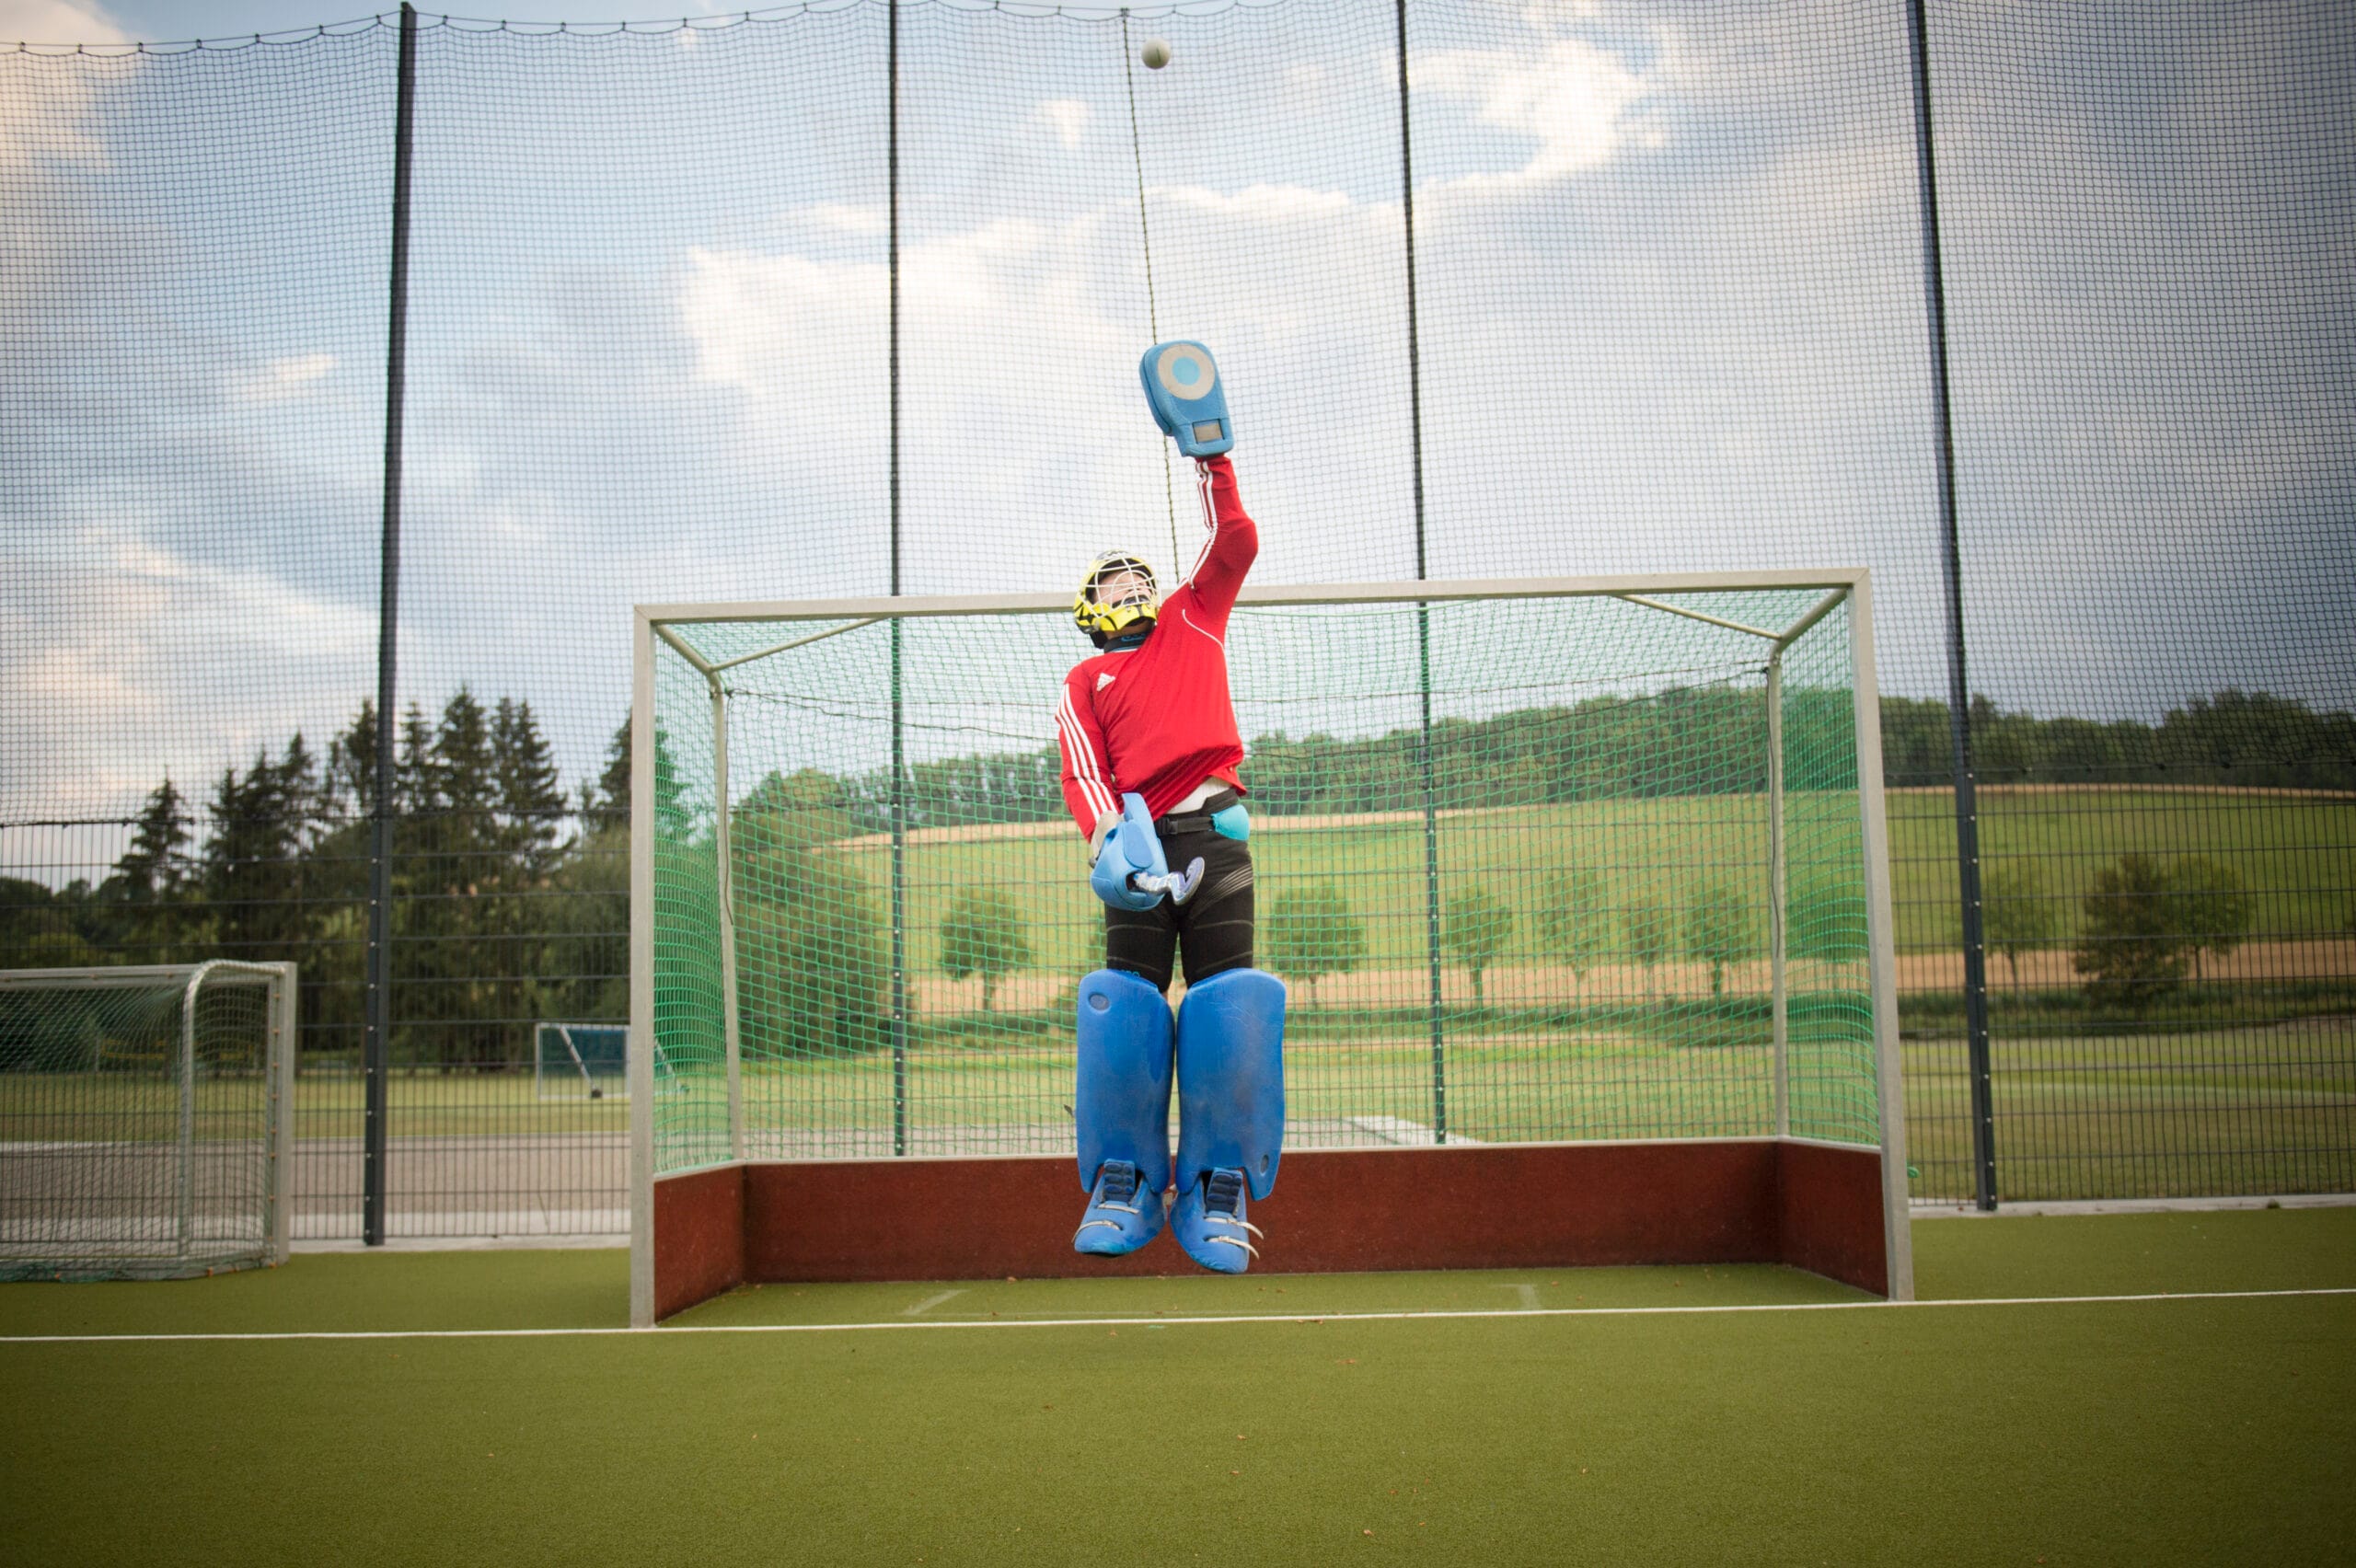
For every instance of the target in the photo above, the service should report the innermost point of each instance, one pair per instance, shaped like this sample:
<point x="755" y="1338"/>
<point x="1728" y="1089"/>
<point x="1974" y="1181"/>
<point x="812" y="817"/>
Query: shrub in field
<point x="2016" y="915"/>
<point x="1574" y="920"/>
<point x="1310" y="932"/>
<point x="1651" y="928"/>
<point x="1476" y="931"/>
<point x="2129" y="947"/>
<point x="1718" y="930"/>
<point x="984" y="934"/>
<point x="2211" y="911"/>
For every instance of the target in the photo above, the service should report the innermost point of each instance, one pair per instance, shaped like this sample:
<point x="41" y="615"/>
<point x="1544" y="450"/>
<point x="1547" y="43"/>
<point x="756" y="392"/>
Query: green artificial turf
<point x="344" y="1292"/>
<point x="2120" y="1254"/>
<point x="2116" y="1432"/>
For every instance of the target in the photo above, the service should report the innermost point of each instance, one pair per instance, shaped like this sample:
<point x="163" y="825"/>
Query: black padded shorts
<point x="1212" y="929"/>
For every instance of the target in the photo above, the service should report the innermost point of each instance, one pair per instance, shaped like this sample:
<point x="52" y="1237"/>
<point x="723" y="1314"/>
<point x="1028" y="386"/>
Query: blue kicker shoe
<point x="1209" y="1222"/>
<point x="1122" y="1216"/>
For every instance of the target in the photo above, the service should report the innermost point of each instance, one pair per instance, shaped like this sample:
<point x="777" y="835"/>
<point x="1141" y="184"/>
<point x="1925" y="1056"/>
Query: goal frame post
<point x="281" y="978"/>
<point x="711" y="1247"/>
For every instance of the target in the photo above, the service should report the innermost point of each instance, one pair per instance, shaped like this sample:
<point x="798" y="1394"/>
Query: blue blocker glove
<point x="1182" y="387"/>
<point x="1131" y="871"/>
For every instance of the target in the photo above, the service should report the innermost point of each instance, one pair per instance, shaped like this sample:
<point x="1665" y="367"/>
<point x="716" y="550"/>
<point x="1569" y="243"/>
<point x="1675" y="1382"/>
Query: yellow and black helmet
<point x="1105" y="619"/>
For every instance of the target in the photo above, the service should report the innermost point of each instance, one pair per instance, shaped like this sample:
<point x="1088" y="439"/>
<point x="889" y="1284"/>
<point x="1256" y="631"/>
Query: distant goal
<point x="145" y="1113"/>
<point x="580" y="1061"/>
<point x="1579" y="886"/>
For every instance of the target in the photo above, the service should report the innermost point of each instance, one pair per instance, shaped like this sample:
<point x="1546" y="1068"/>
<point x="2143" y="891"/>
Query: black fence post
<point x="1423" y="612"/>
<point x="1967" y="806"/>
<point x="376" y="1050"/>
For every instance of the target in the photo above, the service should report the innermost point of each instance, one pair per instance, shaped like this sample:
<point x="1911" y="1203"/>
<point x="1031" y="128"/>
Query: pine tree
<point x="351" y="764"/>
<point x="531" y="801"/>
<point x="253" y="865"/>
<point x="156" y="865"/>
<point x="150" y="881"/>
<point x="460" y="878"/>
<point x="465" y="775"/>
<point x="606" y="803"/>
<point x="413" y="776"/>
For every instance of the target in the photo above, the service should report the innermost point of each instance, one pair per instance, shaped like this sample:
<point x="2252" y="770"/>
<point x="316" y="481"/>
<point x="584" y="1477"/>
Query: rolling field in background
<point x="2296" y="857"/>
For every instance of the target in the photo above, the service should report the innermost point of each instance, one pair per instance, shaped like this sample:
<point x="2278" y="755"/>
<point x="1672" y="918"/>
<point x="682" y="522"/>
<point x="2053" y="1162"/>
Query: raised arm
<point x="1231" y="540"/>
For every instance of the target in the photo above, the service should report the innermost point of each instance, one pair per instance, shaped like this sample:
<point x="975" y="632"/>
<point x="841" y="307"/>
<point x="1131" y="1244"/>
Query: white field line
<point x="1176" y="1321"/>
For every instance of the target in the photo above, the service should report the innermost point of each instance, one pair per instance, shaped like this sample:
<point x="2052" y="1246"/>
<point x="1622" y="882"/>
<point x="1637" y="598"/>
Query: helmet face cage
<point x="1104" y="616"/>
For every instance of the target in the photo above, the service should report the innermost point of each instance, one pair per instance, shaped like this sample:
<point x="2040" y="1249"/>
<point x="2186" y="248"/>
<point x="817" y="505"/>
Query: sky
<point x="1671" y="317"/>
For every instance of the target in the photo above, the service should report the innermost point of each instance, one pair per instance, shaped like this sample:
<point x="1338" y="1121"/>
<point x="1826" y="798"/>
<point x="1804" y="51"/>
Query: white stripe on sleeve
<point x="1082" y="756"/>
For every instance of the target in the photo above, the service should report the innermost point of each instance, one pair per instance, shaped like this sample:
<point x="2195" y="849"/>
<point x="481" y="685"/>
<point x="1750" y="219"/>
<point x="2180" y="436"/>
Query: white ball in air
<point x="1156" y="55"/>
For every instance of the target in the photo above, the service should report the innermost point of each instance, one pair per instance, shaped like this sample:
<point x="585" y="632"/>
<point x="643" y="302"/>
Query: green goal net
<point x="1536" y="863"/>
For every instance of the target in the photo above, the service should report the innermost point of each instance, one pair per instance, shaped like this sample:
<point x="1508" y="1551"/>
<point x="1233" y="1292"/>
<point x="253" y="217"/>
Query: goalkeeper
<point x="1151" y="760"/>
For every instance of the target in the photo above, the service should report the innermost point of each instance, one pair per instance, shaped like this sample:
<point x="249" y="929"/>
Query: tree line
<point x="1687" y="742"/>
<point x="510" y="896"/>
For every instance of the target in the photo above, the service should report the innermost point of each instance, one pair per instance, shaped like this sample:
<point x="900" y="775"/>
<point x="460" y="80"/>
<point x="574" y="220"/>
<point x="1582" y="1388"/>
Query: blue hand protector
<point x="1232" y="1078"/>
<point x="1182" y="387"/>
<point x="1130" y="850"/>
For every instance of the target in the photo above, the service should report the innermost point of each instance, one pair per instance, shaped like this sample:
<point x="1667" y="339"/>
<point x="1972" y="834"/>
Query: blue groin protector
<point x="1122" y="1100"/>
<point x="1231" y="1078"/>
<point x="1182" y="388"/>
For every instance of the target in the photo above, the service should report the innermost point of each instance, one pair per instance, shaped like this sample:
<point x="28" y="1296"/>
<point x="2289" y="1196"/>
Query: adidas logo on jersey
<point x="1104" y="680"/>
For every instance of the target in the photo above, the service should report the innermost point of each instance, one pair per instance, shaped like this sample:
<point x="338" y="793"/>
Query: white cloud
<point x="44" y="115"/>
<point x="764" y="323"/>
<point x="842" y="218"/>
<point x="1068" y="118"/>
<point x="288" y="377"/>
<point x="113" y="651"/>
<point x="1579" y="102"/>
<point x="58" y="22"/>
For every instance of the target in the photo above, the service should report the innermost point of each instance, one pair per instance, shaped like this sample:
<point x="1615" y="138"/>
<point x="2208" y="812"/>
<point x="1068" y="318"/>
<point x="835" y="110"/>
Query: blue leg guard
<point x="1122" y="1106"/>
<point x="1231" y="1111"/>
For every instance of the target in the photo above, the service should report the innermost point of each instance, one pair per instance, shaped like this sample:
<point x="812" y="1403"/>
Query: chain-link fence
<point x="848" y="300"/>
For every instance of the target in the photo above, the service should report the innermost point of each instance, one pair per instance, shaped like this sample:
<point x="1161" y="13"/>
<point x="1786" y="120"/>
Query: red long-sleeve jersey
<point x="1156" y="719"/>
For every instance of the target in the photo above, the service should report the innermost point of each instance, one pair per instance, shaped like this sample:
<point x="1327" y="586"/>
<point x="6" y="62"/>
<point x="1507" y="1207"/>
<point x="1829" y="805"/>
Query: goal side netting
<point x="145" y="1120"/>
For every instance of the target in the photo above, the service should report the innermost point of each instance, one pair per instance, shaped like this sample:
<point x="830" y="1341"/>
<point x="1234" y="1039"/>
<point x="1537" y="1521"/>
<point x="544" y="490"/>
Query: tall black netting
<point x="2147" y="212"/>
<point x="192" y="352"/>
<point x="1669" y="313"/>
